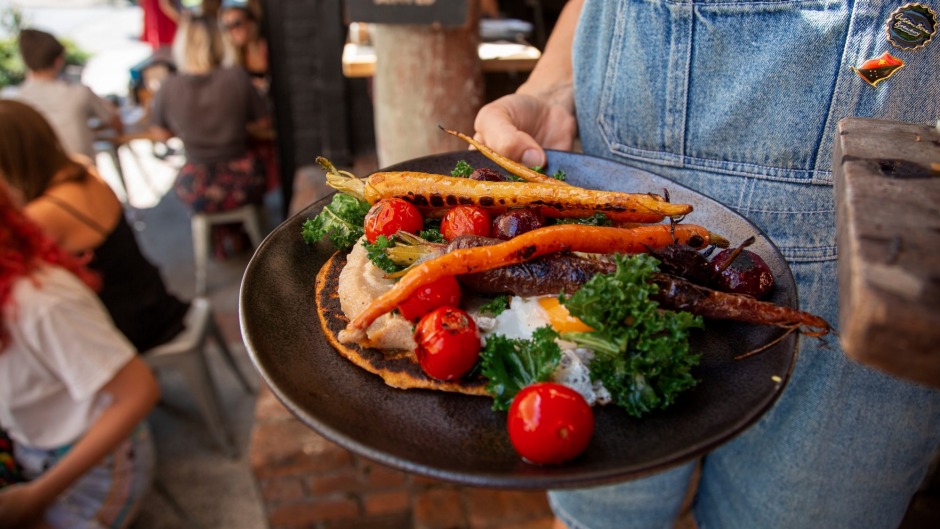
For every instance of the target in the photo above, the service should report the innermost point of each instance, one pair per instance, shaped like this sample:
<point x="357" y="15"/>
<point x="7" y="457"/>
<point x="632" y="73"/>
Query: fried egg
<point x="524" y="316"/>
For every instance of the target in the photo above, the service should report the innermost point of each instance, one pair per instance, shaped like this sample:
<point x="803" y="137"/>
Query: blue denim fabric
<point x="740" y="101"/>
<point x="109" y="494"/>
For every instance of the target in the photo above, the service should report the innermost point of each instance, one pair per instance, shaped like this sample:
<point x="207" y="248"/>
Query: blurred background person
<point x="210" y="104"/>
<point x="161" y="19"/>
<point x="73" y="394"/>
<point x="242" y="29"/>
<point x="69" y="200"/>
<point x="69" y="106"/>
<point x="241" y="21"/>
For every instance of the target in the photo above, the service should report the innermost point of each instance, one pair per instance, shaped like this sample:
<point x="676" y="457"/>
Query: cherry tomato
<point x="465" y="220"/>
<point x="549" y="423"/>
<point x="448" y="343"/>
<point x="442" y="292"/>
<point x="391" y="215"/>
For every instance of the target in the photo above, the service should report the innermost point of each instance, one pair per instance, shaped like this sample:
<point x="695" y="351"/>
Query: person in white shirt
<point x="69" y="107"/>
<point x="74" y="395"/>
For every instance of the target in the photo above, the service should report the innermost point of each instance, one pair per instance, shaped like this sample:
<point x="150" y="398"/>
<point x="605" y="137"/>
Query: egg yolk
<point x="560" y="319"/>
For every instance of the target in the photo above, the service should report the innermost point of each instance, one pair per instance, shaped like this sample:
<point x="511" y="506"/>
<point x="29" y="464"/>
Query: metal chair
<point x="250" y="216"/>
<point x="187" y="354"/>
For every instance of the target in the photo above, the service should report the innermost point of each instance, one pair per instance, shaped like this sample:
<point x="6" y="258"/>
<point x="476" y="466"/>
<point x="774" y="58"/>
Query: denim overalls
<point x="740" y="100"/>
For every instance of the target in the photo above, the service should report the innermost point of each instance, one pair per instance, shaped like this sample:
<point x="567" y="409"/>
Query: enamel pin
<point x="911" y="26"/>
<point x="873" y="71"/>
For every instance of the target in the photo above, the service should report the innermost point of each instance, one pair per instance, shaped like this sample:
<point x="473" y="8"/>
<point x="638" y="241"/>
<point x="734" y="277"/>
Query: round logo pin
<point x="911" y="26"/>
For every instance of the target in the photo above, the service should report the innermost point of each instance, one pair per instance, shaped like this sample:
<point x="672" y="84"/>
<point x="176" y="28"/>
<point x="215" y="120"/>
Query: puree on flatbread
<point x="344" y="287"/>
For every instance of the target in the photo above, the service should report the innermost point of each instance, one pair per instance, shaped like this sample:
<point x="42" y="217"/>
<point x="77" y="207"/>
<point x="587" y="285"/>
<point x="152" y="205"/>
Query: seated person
<point x="243" y="31"/>
<point x="69" y="107"/>
<point x="251" y="49"/>
<point x="73" y="394"/>
<point x="67" y="198"/>
<point x="210" y="104"/>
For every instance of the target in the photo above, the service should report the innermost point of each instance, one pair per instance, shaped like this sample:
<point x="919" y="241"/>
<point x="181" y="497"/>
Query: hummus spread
<point x="360" y="282"/>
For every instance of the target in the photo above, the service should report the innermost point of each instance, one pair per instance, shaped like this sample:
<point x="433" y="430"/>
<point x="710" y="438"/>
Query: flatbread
<point x="399" y="369"/>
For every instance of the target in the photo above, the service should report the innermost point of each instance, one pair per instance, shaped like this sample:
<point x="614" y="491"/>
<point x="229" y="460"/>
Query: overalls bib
<point x="739" y="100"/>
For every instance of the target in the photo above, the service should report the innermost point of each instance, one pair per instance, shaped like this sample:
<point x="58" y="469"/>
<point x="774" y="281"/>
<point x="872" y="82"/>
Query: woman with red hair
<point x="73" y="392"/>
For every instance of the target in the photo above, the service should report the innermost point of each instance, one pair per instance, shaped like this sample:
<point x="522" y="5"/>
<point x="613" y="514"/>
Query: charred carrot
<point x="679" y="294"/>
<point x="423" y="190"/>
<point x="529" y="245"/>
<point x="516" y="168"/>
<point x="531" y="175"/>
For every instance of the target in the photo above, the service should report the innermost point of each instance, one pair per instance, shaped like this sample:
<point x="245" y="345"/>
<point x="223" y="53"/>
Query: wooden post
<point x="887" y="182"/>
<point x="425" y="76"/>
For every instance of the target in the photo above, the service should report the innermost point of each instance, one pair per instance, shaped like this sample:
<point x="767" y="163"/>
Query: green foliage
<point x="642" y="353"/>
<point x="12" y="70"/>
<point x="510" y="364"/>
<point x="11" y="65"/>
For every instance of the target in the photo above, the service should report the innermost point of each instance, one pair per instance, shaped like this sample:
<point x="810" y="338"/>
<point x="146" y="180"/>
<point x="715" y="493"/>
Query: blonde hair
<point x="199" y="46"/>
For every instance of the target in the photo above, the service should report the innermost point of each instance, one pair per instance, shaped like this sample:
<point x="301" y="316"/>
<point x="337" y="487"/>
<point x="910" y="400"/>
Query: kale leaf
<point x="462" y="169"/>
<point x="510" y="364"/>
<point x="642" y="353"/>
<point x="496" y="306"/>
<point x="597" y="219"/>
<point x="341" y="221"/>
<point x="431" y="234"/>
<point x="376" y="253"/>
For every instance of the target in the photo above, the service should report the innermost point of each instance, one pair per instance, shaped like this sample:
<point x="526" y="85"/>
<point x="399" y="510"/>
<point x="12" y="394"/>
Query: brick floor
<point x="307" y="482"/>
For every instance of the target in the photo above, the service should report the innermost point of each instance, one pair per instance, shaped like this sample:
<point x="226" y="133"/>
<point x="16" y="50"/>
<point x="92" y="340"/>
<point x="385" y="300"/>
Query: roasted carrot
<point x="529" y="245"/>
<point x="531" y="175"/>
<point x="679" y="294"/>
<point x="423" y="189"/>
<point x="516" y="168"/>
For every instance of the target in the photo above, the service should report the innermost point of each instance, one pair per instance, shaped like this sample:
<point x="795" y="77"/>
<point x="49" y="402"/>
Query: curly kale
<point x="510" y="364"/>
<point x="642" y="353"/>
<point x="341" y="221"/>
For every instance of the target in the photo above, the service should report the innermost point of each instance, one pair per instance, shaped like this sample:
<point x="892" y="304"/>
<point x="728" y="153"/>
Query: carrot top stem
<point x="512" y="166"/>
<point x="343" y="181"/>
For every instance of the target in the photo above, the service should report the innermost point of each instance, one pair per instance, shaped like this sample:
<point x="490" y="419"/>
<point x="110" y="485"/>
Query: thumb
<point x="533" y="157"/>
<point x="513" y="144"/>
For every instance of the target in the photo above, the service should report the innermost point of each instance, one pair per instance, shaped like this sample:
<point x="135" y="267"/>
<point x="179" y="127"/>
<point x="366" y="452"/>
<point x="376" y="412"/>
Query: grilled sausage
<point x="551" y="274"/>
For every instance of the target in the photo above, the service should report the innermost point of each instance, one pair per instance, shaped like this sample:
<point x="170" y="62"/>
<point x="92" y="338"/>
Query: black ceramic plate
<point x="459" y="438"/>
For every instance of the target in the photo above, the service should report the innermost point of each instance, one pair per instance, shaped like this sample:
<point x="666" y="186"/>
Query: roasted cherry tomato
<point x="465" y="220"/>
<point x="549" y="423"/>
<point x="448" y="343"/>
<point x="442" y="292"/>
<point x="391" y="215"/>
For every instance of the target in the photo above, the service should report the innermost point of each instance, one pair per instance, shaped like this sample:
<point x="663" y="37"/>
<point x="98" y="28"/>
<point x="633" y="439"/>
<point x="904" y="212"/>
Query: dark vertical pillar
<point x="305" y="42"/>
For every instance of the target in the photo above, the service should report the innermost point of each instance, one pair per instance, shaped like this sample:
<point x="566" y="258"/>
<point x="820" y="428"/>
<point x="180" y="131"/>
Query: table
<point x="359" y="60"/>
